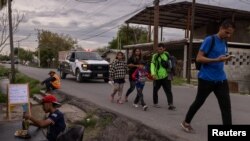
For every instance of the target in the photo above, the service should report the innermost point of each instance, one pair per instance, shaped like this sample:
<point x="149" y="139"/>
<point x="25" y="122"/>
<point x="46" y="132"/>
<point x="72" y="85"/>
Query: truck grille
<point x="98" y="67"/>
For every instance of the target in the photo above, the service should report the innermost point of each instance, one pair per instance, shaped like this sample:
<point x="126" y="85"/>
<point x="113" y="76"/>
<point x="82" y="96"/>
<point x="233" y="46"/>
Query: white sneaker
<point x="145" y="107"/>
<point x="136" y="105"/>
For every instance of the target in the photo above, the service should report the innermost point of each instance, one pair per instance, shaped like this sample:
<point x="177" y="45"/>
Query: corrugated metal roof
<point x="176" y="15"/>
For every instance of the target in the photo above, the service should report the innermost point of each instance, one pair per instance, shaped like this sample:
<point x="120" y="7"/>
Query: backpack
<point x="170" y="64"/>
<point x="199" y="64"/>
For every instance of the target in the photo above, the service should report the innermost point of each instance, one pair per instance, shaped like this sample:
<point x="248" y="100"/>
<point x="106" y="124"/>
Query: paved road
<point x="7" y="130"/>
<point x="165" y="121"/>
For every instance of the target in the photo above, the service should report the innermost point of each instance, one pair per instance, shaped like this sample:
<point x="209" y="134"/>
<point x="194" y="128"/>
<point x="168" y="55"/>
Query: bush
<point x="34" y="86"/>
<point x="3" y="98"/>
<point x="4" y="72"/>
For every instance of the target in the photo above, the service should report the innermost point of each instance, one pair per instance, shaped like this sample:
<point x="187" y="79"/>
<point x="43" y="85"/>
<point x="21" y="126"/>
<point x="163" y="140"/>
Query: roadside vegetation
<point x="178" y="81"/>
<point x="34" y="86"/>
<point x="94" y="123"/>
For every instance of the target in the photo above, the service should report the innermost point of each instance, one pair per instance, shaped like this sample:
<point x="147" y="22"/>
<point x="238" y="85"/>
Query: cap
<point x="51" y="72"/>
<point x="50" y="99"/>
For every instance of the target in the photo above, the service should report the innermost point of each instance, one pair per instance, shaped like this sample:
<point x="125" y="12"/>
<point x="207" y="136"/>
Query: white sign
<point x="18" y="93"/>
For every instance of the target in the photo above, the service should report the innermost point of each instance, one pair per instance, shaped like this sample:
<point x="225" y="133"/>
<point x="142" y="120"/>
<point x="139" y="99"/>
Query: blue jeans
<point x="139" y="96"/>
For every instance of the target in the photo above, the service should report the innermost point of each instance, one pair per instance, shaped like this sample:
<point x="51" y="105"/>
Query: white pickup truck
<point x="83" y="65"/>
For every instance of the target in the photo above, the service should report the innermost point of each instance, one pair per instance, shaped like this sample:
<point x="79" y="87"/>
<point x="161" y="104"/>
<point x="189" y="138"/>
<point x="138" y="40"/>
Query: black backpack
<point x="198" y="64"/>
<point x="169" y="64"/>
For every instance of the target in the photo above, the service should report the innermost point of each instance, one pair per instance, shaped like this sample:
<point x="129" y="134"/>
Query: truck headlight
<point x="85" y="67"/>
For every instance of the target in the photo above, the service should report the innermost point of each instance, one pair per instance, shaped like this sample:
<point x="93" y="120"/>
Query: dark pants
<point x="131" y="88"/>
<point x="139" y="96"/>
<point x="48" y="85"/>
<point x="221" y="91"/>
<point x="166" y="84"/>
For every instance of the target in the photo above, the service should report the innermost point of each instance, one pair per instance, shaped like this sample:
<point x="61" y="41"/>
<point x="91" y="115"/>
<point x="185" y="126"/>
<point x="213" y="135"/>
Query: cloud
<point x="85" y="20"/>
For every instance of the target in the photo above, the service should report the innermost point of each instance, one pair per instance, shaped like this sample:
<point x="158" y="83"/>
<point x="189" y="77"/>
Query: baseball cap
<point x="50" y="99"/>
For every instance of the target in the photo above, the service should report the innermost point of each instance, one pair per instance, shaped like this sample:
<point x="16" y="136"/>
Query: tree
<point x="4" y="57"/>
<point x="4" y="26"/>
<point x="136" y="35"/>
<point x="23" y="55"/>
<point x="50" y="44"/>
<point x="3" y="3"/>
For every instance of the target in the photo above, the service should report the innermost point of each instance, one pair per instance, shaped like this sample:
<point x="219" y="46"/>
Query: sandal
<point x="187" y="127"/>
<point x="119" y="102"/>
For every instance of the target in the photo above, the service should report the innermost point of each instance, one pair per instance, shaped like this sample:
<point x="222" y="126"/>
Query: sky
<point x="93" y="23"/>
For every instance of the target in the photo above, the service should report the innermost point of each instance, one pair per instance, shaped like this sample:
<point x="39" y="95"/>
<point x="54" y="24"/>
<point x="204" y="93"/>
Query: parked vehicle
<point x="83" y="65"/>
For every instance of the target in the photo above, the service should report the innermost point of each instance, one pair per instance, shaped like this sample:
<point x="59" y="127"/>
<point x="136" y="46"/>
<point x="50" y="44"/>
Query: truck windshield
<point x="88" y="56"/>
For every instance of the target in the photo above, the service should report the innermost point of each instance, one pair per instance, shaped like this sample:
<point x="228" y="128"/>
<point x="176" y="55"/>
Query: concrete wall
<point x="238" y="69"/>
<point x="241" y="34"/>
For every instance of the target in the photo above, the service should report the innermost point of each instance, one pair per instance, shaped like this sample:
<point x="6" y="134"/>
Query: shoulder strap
<point x="226" y="46"/>
<point x="212" y="45"/>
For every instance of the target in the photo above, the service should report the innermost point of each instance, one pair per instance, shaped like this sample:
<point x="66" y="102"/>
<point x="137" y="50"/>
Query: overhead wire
<point x="245" y="1"/>
<point x="117" y="19"/>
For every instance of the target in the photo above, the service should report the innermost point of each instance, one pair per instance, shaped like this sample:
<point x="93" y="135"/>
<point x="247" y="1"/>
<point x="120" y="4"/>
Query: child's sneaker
<point x="135" y="105"/>
<point x="187" y="127"/>
<point x="145" y="107"/>
<point x="119" y="102"/>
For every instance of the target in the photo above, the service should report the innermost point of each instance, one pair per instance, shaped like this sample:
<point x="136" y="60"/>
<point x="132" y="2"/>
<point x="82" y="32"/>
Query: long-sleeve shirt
<point x="156" y="67"/>
<point x="118" y="70"/>
<point x="140" y="75"/>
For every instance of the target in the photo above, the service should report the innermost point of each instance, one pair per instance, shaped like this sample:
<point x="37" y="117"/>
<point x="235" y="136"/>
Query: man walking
<point x="159" y="72"/>
<point x="211" y="77"/>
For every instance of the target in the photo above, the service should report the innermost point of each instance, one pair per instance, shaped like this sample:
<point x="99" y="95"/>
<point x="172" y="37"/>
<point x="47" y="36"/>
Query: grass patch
<point x="94" y="124"/>
<point x="34" y="85"/>
<point x="3" y="98"/>
<point x="178" y="81"/>
<point x="105" y="120"/>
<point x="4" y="72"/>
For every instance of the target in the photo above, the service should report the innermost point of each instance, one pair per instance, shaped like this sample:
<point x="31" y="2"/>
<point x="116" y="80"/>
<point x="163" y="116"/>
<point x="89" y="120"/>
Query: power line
<point x="245" y="1"/>
<point x="115" y="20"/>
<point x="91" y="1"/>
<point x="100" y="33"/>
<point x="119" y="18"/>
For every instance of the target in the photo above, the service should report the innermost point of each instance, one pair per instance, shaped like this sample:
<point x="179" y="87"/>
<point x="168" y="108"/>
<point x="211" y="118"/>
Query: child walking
<point x="117" y="74"/>
<point x="140" y="76"/>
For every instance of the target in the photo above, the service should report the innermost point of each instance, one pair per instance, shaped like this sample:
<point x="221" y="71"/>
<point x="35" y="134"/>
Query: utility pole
<point x="39" y="61"/>
<point x="190" y="48"/>
<point x="156" y="23"/>
<point x="38" y="49"/>
<point x="12" y="80"/>
<point x="18" y="47"/>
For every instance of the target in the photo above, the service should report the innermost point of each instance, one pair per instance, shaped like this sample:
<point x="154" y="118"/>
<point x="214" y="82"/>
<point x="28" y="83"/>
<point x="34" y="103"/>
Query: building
<point x="207" y="19"/>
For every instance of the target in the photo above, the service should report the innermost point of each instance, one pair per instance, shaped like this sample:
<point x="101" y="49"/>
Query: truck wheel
<point x="63" y="75"/>
<point x="106" y="80"/>
<point x="78" y="76"/>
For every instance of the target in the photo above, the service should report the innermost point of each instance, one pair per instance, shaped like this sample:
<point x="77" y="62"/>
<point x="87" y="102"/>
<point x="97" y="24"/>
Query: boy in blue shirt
<point x="211" y="77"/>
